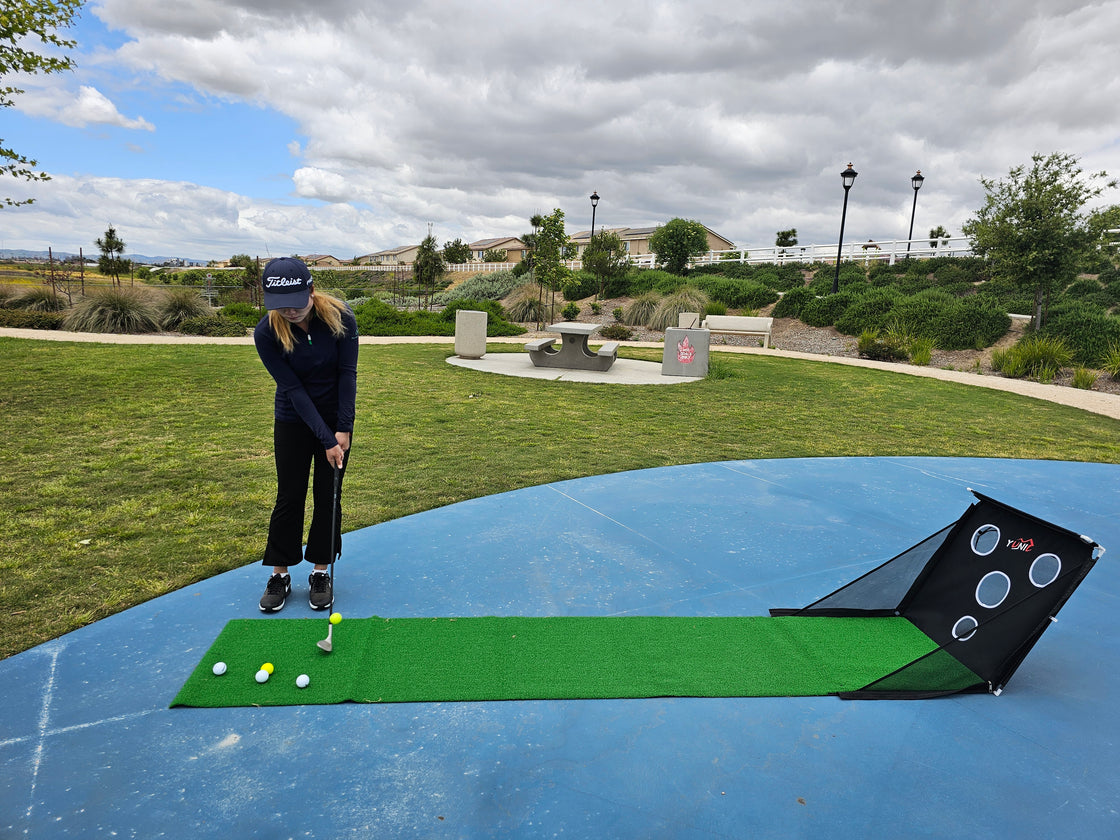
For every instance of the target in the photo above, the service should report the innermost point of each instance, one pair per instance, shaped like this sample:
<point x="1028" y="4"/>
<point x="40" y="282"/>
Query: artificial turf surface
<point x="386" y="660"/>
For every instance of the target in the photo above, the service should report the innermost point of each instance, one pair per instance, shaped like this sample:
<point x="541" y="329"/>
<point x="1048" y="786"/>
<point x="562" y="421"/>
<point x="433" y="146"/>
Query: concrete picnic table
<point x="573" y="352"/>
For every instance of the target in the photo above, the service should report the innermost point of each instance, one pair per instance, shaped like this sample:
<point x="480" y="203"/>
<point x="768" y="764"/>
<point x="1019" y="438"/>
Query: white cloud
<point x="88" y="107"/>
<point x="474" y="117"/>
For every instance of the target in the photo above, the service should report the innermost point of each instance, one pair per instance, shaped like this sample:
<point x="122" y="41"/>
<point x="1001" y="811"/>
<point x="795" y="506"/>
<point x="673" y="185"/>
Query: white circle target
<point x="993" y="589"/>
<point x="965" y="628"/>
<point x="1045" y="570"/>
<point x="985" y="540"/>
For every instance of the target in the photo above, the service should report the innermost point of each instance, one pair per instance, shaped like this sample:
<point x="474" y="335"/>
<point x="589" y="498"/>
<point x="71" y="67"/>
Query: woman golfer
<point x="308" y="341"/>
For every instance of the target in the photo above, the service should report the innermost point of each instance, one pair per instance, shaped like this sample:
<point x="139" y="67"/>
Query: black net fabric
<point x="983" y="589"/>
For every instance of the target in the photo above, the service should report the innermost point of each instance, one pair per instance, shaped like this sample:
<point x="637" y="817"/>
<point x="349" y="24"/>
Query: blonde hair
<point x="327" y="308"/>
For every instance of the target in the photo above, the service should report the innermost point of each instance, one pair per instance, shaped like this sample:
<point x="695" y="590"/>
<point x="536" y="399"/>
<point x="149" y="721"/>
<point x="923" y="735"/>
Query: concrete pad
<point x="622" y="372"/>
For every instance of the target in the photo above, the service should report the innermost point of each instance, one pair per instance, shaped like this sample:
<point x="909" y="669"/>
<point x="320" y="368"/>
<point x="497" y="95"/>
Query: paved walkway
<point x="1094" y="401"/>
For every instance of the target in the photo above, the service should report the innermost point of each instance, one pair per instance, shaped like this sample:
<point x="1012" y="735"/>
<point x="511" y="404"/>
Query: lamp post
<point x="916" y="183"/>
<point x="848" y="177"/>
<point x="594" y="204"/>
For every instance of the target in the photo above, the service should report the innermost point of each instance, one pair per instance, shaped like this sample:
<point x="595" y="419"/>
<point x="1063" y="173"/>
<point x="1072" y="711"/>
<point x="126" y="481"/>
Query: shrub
<point x="113" y="311"/>
<point x="971" y="323"/>
<point x="493" y="286"/>
<point x="1084" y="378"/>
<point x="688" y="299"/>
<point x="524" y="303"/>
<point x="179" y="305"/>
<point x="616" y="313"/>
<point x="715" y="308"/>
<point x="249" y="315"/>
<point x="1036" y="356"/>
<point x="738" y="294"/>
<point x="852" y="276"/>
<point x="1110" y="362"/>
<point x="792" y="302"/>
<point x="885" y="348"/>
<point x="871" y="310"/>
<point x="212" y="325"/>
<point x="917" y="313"/>
<point x="580" y="284"/>
<point x="655" y="280"/>
<point x="38" y="299"/>
<point x="28" y="319"/>
<point x="823" y="311"/>
<point x="640" y="310"/>
<point x="570" y="312"/>
<point x="616" y="332"/>
<point x="1086" y="329"/>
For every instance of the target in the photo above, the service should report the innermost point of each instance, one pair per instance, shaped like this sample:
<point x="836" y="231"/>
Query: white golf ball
<point x="302" y="681"/>
<point x="219" y="668"/>
<point x="262" y="676"/>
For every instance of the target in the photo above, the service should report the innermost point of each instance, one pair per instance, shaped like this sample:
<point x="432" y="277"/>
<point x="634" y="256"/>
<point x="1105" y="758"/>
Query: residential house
<point x="321" y="260"/>
<point x="636" y="240"/>
<point x="515" y="249"/>
<point x="405" y="254"/>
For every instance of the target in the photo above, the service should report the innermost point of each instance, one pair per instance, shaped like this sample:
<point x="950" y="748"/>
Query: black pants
<point x="296" y="449"/>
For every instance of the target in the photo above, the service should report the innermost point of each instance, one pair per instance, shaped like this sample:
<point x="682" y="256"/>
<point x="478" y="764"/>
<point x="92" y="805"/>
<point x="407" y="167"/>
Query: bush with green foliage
<point x="852" y="277"/>
<point x="869" y="310"/>
<point x="823" y="311"/>
<point x="570" y="312"/>
<point x="243" y="313"/>
<point x="882" y="346"/>
<point x="971" y="323"/>
<point x="30" y="319"/>
<point x="1086" y="329"/>
<point x="1034" y="356"/>
<point x="179" y="305"/>
<point x="1110" y="361"/>
<point x="738" y="294"/>
<point x="715" y="308"/>
<point x="654" y="280"/>
<point x="497" y="322"/>
<point x="375" y="317"/>
<point x="113" y="311"/>
<point x="212" y="325"/>
<point x="616" y="332"/>
<point x="579" y="285"/>
<point x="919" y="312"/>
<point x="792" y="302"/>
<point x="1084" y="378"/>
<point x="492" y="286"/>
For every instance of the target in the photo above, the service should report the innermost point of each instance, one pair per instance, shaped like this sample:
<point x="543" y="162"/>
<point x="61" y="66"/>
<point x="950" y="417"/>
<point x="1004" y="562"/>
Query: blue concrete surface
<point x="88" y="747"/>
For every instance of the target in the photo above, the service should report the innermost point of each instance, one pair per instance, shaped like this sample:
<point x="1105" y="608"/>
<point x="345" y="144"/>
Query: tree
<point x="495" y="255"/>
<point x="251" y="276"/>
<point x="678" y="242"/>
<point x="1101" y="221"/>
<point x="456" y="251"/>
<point x="112" y="263"/>
<point x="549" y="240"/>
<point x="21" y="22"/>
<point x="937" y="234"/>
<point x="428" y="266"/>
<point x="786" y="238"/>
<point x="1033" y="228"/>
<point x="605" y="256"/>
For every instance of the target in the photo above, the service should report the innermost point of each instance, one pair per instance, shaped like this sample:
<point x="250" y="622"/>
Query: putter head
<point x="325" y="644"/>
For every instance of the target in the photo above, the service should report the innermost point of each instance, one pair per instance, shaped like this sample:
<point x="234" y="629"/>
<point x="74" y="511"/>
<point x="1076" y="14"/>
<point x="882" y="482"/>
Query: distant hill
<point x="139" y="259"/>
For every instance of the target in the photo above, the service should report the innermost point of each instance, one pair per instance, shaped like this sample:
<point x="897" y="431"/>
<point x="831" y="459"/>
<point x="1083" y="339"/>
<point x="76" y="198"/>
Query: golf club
<point x="325" y="644"/>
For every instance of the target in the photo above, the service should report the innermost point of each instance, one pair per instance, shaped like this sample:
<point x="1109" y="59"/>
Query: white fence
<point x="865" y="252"/>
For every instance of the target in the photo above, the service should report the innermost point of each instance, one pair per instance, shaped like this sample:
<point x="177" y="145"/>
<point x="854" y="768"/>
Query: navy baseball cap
<point x="286" y="282"/>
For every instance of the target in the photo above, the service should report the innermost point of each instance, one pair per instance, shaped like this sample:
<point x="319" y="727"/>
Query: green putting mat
<point x="392" y="660"/>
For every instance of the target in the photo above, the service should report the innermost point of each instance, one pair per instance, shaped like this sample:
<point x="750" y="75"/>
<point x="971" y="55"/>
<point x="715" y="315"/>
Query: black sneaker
<point x="322" y="592"/>
<point x="276" y="593"/>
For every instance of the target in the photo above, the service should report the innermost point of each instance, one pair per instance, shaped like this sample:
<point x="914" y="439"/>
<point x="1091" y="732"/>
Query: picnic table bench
<point x="573" y="352"/>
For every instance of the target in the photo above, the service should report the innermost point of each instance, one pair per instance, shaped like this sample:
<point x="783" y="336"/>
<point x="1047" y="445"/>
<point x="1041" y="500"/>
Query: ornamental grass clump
<point x="1035" y="356"/>
<point x="667" y="313"/>
<point x="641" y="309"/>
<point x="113" y="311"/>
<point x="38" y="299"/>
<point x="180" y="305"/>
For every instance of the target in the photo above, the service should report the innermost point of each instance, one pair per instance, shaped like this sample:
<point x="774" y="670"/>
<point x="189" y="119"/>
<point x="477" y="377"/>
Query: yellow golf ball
<point x="336" y="617"/>
<point x="268" y="667"/>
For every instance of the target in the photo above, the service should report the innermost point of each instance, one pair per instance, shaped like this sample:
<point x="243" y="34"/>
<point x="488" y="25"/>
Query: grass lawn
<point x="132" y="470"/>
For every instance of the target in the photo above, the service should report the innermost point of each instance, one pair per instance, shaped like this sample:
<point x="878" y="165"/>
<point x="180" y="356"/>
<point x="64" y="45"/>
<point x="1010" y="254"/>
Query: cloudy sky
<point x="204" y="128"/>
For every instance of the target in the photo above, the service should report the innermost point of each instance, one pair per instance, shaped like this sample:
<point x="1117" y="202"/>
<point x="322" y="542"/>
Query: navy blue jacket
<point x="317" y="382"/>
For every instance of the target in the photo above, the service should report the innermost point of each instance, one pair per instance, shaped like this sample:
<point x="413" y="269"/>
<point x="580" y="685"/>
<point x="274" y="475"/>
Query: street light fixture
<point x="594" y="204"/>
<point x="847" y="177"/>
<point x="916" y="183"/>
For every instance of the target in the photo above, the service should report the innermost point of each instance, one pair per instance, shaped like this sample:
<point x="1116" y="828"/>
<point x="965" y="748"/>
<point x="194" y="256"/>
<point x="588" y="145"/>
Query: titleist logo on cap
<point x="275" y="282"/>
